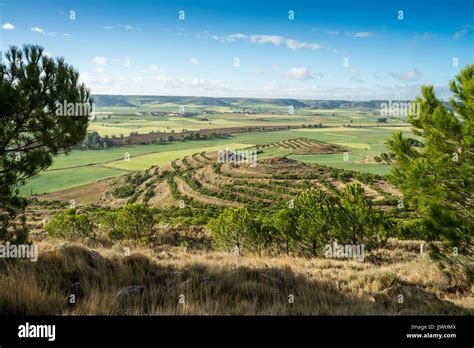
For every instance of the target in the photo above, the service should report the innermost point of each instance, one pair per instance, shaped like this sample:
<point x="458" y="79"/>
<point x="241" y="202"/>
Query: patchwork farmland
<point x="200" y="180"/>
<point x="78" y="167"/>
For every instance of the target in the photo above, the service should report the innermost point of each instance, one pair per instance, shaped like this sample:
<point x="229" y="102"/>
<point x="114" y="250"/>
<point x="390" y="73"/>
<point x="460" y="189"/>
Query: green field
<point x="122" y="121"/>
<point x="51" y="181"/>
<point x="87" y="166"/>
<point x="146" y="161"/>
<point x="79" y="166"/>
<point x="367" y="142"/>
<point x="102" y="156"/>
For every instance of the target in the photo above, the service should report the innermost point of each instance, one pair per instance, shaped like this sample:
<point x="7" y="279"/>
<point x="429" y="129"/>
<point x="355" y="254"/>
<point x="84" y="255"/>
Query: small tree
<point x="92" y="139"/>
<point x="285" y="224"/>
<point x="356" y="221"/>
<point x="314" y="210"/>
<point x="262" y="234"/>
<point x="231" y="229"/>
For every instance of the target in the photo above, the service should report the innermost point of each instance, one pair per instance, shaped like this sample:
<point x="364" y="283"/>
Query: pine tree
<point x="33" y="86"/>
<point x="437" y="179"/>
<point x="314" y="211"/>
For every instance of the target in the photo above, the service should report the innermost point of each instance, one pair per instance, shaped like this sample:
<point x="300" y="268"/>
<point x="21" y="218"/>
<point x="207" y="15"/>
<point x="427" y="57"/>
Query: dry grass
<point x="220" y="284"/>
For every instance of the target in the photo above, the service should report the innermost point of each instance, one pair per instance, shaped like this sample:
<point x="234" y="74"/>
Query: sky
<point x="319" y="49"/>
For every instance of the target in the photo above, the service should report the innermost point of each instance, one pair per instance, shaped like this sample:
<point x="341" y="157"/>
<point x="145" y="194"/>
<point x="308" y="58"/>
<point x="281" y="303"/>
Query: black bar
<point x="331" y="330"/>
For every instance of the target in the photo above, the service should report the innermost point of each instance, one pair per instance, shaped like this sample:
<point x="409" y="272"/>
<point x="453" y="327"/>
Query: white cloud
<point x="299" y="73"/>
<point x="154" y="68"/>
<point x="100" y="60"/>
<point x="358" y="34"/>
<point x="121" y="26"/>
<point x="51" y="33"/>
<point x="424" y="36"/>
<point x="411" y="75"/>
<point x="363" y="34"/>
<point x="147" y="84"/>
<point x="232" y="37"/>
<point x="295" y="44"/>
<point x="8" y="26"/>
<point x="130" y="27"/>
<point x="178" y="83"/>
<point x="356" y="76"/>
<point x="466" y="30"/>
<point x="272" y="39"/>
<point x="101" y="82"/>
<point x="37" y="30"/>
<point x="194" y="61"/>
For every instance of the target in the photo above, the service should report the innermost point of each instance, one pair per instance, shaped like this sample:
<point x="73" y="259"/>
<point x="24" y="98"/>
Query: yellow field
<point x="363" y="146"/>
<point x="332" y="129"/>
<point x="114" y="130"/>
<point x="405" y="128"/>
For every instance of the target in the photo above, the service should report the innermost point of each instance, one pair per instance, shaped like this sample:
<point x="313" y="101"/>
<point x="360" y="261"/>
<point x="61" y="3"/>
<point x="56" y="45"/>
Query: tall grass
<point x="175" y="282"/>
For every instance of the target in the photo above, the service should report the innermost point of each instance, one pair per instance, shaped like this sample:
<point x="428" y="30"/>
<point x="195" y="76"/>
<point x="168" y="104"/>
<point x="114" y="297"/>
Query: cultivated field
<point x="77" y="168"/>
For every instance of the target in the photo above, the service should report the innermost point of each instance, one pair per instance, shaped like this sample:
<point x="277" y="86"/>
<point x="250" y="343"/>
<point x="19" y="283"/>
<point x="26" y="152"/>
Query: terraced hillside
<point x="303" y="146"/>
<point x="200" y="181"/>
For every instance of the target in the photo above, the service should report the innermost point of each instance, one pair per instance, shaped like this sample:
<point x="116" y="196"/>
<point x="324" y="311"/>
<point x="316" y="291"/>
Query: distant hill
<point x="249" y="102"/>
<point x="136" y="101"/>
<point x="204" y="101"/>
<point x="343" y="104"/>
<point x="112" y="100"/>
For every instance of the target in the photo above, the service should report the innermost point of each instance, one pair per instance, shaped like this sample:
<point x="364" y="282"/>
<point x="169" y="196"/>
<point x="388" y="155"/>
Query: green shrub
<point x="123" y="191"/>
<point x="134" y="221"/>
<point x="70" y="225"/>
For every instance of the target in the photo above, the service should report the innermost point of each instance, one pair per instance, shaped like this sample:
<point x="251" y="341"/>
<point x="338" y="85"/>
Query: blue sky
<point x="331" y="49"/>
